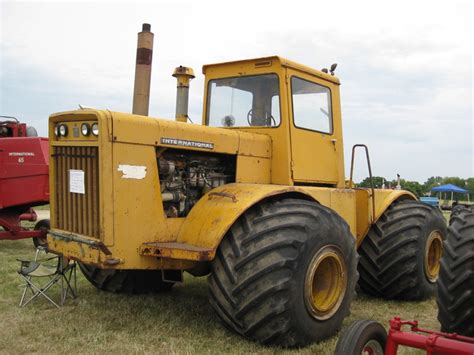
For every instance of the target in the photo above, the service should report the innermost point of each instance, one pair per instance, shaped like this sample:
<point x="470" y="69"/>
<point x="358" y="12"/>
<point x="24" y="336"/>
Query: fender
<point x="384" y="198"/>
<point x="216" y="212"/>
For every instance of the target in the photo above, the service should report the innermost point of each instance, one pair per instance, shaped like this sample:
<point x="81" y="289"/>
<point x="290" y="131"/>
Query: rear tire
<point x="399" y="258"/>
<point x="125" y="281"/>
<point x="456" y="280"/>
<point x="362" y="337"/>
<point x="266" y="283"/>
<point x="45" y="226"/>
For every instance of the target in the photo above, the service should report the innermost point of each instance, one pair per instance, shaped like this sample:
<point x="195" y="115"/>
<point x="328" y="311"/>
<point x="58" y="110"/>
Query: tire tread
<point x="389" y="266"/>
<point x="250" y="282"/>
<point x="456" y="280"/>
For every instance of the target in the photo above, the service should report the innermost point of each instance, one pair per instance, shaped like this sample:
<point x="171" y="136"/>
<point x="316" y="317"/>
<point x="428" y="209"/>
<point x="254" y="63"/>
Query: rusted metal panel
<point x="178" y="251"/>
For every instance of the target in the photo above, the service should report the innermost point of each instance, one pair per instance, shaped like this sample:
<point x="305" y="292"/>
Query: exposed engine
<point x="185" y="176"/>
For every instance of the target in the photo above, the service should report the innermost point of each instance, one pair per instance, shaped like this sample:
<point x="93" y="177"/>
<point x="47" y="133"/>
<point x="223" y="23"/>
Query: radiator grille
<point x="74" y="212"/>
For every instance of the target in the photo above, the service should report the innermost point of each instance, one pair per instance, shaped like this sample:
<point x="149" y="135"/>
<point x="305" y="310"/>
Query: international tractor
<point x="255" y="197"/>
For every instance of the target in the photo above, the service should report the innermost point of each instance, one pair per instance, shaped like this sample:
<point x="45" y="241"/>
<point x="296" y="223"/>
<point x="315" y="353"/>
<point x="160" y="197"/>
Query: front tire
<point x="456" y="280"/>
<point x="42" y="225"/>
<point x="285" y="273"/>
<point x="125" y="281"/>
<point x="399" y="258"/>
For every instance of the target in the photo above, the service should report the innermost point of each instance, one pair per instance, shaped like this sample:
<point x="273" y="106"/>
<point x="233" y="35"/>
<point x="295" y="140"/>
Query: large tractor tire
<point x="125" y="281"/>
<point x="456" y="280"/>
<point x="399" y="258"/>
<point x="285" y="273"/>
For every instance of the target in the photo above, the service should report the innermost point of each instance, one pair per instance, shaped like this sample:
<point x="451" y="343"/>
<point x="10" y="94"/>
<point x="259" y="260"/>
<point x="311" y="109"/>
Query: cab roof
<point x="268" y="61"/>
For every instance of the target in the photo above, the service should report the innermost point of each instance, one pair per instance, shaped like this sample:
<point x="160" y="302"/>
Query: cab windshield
<point x="245" y="101"/>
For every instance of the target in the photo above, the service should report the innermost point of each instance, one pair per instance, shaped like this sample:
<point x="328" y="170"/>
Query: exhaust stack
<point x="141" y="91"/>
<point x="184" y="76"/>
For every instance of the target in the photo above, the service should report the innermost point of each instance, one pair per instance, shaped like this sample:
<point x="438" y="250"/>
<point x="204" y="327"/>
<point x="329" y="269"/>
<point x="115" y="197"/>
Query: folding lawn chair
<point x="41" y="274"/>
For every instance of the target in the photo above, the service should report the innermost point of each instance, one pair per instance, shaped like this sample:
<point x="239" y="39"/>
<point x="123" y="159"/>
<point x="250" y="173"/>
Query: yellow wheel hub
<point x="433" y="253"/>
<point x="325" y="283"/>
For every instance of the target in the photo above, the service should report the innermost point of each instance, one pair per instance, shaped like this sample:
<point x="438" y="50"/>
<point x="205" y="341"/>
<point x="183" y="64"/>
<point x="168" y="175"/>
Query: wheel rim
<point x="325" y="283"/>
<point x="433" y="253"/>
<point x="373" y="347"/>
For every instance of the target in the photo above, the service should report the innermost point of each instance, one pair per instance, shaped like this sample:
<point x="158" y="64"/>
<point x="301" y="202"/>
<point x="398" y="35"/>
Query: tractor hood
<point x="128" y="128"/>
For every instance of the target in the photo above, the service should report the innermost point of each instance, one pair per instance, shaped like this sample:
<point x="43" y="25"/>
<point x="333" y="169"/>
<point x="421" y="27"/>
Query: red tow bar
<point x="433" y="342"/>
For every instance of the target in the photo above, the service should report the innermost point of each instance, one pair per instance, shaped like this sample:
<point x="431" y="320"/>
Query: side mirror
<point x="333" y="68"/>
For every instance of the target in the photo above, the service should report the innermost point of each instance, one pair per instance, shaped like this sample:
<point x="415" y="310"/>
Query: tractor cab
<point x="296" y="105"/>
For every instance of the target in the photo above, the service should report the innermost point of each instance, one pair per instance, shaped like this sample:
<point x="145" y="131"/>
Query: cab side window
<point x="311" y="105"/>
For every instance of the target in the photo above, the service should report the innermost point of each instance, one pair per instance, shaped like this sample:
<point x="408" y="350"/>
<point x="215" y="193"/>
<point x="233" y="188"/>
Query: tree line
<point x="423" y="189"/>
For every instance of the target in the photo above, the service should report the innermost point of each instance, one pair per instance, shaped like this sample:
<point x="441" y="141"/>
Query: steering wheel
<point x="268" y="118"/>
<point x="228" y="121"/>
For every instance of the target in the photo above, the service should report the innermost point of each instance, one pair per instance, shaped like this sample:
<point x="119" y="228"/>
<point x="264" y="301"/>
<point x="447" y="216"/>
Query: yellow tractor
<point x="255" y="198"/>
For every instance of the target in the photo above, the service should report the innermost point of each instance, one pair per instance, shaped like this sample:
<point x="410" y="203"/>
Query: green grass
<point x="178" y="322"/>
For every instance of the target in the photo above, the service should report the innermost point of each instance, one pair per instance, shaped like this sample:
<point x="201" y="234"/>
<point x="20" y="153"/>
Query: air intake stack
<point x="184" y="76"/>
<point x="141" y="91"/>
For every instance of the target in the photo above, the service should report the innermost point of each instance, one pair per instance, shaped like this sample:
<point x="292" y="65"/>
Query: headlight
<point x="85" y="129"/>
<point x="62" y="130"/>
<point x="56" y="130"/>
<point x="95" y="129"/>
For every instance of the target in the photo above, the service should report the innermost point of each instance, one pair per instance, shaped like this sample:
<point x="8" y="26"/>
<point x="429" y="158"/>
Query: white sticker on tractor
<point x="76" y="182"/>
<point x="132" y="171"/>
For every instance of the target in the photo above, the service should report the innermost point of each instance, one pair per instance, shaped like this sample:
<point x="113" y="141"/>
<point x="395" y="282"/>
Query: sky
<point x="406" y="67"/>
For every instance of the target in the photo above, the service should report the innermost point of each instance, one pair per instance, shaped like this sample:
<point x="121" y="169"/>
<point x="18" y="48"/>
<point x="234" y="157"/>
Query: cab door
<point x="315" y="132"/>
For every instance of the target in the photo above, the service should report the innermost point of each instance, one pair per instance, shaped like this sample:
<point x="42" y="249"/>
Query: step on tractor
<point x="255" y="197"/>
<point x="24" y="183"/>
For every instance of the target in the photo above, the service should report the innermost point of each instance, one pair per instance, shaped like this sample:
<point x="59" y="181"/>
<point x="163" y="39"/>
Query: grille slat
<point x="62" y="182"/>
<point x="73" y="164"/>
<point x="77" y="213"/>
<point x="89" y="171"/>
<point x="58" y="184"/>
<point x="68" y="206"/>
<point x="95" y="200"/>
<point x="83" y="199"/>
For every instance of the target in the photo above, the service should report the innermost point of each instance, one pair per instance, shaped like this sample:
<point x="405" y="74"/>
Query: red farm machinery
<point x="24" y="168"/>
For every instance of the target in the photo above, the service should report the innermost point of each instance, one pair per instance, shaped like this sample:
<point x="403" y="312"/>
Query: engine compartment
<point x="185" y="176"/>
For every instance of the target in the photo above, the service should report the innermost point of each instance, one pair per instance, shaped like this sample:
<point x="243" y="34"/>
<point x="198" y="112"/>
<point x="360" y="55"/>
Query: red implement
<point x="24" y="169"/>
<point x="433" y="342"/>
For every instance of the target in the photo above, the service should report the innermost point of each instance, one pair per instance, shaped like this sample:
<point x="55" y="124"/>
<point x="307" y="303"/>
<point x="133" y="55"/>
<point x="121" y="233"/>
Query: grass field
<point x="178" y="322"/>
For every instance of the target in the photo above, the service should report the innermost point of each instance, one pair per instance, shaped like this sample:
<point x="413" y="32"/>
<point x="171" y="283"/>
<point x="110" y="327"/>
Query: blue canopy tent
<point x="450" y="188"/>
